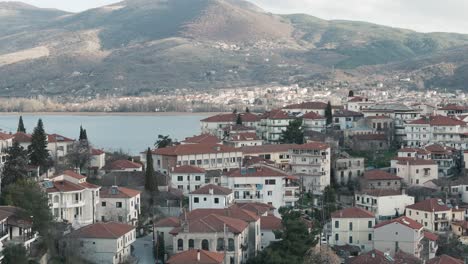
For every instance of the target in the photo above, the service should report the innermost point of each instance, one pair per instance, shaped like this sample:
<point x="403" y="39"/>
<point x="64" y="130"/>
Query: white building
<point x="206" y="156"/>
<point x="314" y="122"/>
<point x="262" y="184"/>
<point x="187" y="178"/>
<point x="214" y="124"/>
<point x="379" y="179"/>
<point x="125" y="165"/>
<point x="402" y="233"/>
<point x="433" y="214"/>
<point x="59" y="146"/>
<point x="119" y="204"/>
<point x="72" y="199"/>
<point x="353" y="226"/>
<point x="268" y="225"/>
<point x="346" y="119"/>
<point x="384" y="204"/>
<point x="238" y="140"/>
<point x="278" y="153"/>
<point x="211" y="196"/>
<point x="6" y="141"/>
<point x="106" y="243"/>
<point x="415" y="171"/>
<point x="163" y="227"/>
<point x="98" y="159"/>
<point x="311" y="163"/>
<point x="273" y="124"/>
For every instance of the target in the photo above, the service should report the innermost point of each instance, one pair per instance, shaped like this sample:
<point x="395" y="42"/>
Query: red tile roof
<point x="257" y="208"/>
<point x="22" y="137"/>
<point x="429" y="205"/>
<point x="168" y="222"/>
<point x="430" y="236"/>
<point x="213" y="223"/>
<point x="267" y="148"/>
<point x="234" y="211"/>
<point x="277" y="114"/>
<point x="122" y="192"/>
<point x="379" y="117"/>
<point x="352" y="212"/>
<point x="188" y="169"/>
<point x="454" y="107"/>
<point x="238" y="128"/>
<point x="191" y="257"/>
<point x="379" y="192"/>
<point x="124" y="164"/>
<point x="438" y="121"/>
<point x="5" y="136"/>
<point x="436" y="148"/>
<point x="357" y="99"/>
<point x="110" y="230"/>
<point x="74" y="174"/>
<point x="232" y="117"/>
<point x="379" y="175"/>
<point x="270" y="222"/>
<point x="97" y="152"/>
<point x="308" y="105"/>
<point x="217" y="190"/>
<point x="414" y="161"/>
<point x="313" y="115"/>
<point x="53" y="138"/>
<point x="372" y="257"/>
<point x="64" y="186"/>
<point x="445" y="259"/>
<point x="262" y="171"/>
<point x="402" y="220"/>
<point x="313" y="145"/>
<point x="203" y="138"/>
<point x="188" y="149"/>
<point x="243" y="137"/>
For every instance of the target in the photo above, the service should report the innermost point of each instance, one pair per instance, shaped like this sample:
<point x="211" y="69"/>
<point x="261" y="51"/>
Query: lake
<point x="131" y="133"/>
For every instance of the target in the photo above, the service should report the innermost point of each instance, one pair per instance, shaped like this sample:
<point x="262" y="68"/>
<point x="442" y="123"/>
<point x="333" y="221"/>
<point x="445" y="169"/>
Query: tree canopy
<point x="239" y="119"/>
<point x="21" y="127"/>
<point x="151" y="184"/>
<point x="329" y="113"/>
<point x="351" y="93"/>
<point x="83" y="134"/>
<point x="38" y="152"/>
<point x="163" y="142"/>
<point x="15" y="165"/>
<point x="294" y="133"/>
<point x="14" y="254"/>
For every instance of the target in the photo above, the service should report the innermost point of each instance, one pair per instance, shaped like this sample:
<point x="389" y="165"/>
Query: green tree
<point x="247" y="110"/>
<point x="27" y="195"/>
<point x="38" y="152"/>
<point x="295" y="241"/>
<point x="163" y="141"/>
<point x="79" y="155"/>
<point x="21" y="127"/>
<point x="294" y="133"/>
<point x="351" y="93"/>
<point x="239" y="119"/>
<point x="15" y="165"/>
<point x="14" y="254"/>
<point x="329" y="202"/>
<point x="161" y="247"/>
<point x="151" y="184"/>
<point x="329" y="113"/>
<point x="234" y="111"/>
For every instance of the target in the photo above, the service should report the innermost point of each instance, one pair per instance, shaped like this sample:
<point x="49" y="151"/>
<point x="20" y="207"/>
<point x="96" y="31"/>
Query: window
<point x="369" y="224"/>
<point x="180" y="244"/>
<point x="350" y="226"/>
<point x="180" y="178"/>
<point x="350" y="239"/>
<point x="205" y="244"/>
<point x="231" y="244"/>
<point x="337" y="224"/>
<point x="103" y="204"/>
<point x="270" y="193"/>
<point x="220" y="244"/>
<point x="118" y="204"/>
<point x="369" y="237"/>
<point x="425" y="215"/>
<point x="81" y="244"/>
<point x="270" y="182"/>
<point x="337" y="237"/>
<point x="196" y="200"/>
<point x="197" y="178"/>
<point x="216" y="200"/>
<point x="191" y="243"/>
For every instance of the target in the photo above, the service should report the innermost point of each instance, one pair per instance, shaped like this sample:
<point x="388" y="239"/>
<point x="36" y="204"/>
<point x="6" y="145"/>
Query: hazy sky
<point x="421" y="15"/>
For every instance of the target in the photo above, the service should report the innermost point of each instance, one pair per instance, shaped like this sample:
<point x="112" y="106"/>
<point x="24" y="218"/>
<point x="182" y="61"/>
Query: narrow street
<point x="143" y="249"/>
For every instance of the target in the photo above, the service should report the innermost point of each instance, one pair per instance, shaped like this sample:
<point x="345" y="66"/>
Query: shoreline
<point x="108" y="113"/>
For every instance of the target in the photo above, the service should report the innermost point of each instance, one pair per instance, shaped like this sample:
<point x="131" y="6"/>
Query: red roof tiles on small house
<point x="257" y="208"/>
<point x="431" y="236"/>
<point x="56" y="138"/>
<point x="308" y="105"/>
<point x="110" y="230"/>
<point x="118" y="192"/>
<point x="64" y="186"/>
<point x="97" y="152"/>
<point x="278" y="114"/>
<point x="313" y="116"/>
<point x="5" y="136"/>
<point x="202" y="139"/>
<point x="188" y="149"/>
<point x="445" y="259"/>
<point x="194" y="256"/>
<point x="168" y="222"/>
<point x="22" y="137"/>
<point x="212" y="189"/>
<point x="429" y="205"/>
<point x="124" y="164"/>
<point x="263" y="171"/>
<point x="213" y="223"/>
<point x="270" y="222"/>
<point x="313" y="145"/>
<point x="352" y="212"/>
<point x="402" y="220"/>
<point x="347" y="113"/>
<point x="185" y="169"/>
<point x="379" y="175"/>
<point x="234" y="211"/>
<point x="438" y="121"/>
<point x="453" y="107"/>
<point x="414" y="161"/>
<point x="74" y="174"/>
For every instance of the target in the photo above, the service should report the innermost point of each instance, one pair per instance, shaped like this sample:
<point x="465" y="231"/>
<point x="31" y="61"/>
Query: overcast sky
<point x="420" y="15"/>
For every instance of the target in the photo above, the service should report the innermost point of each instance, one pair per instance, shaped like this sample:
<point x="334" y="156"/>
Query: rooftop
<point x="203" y="138"/>
<point x="212" y="189"/>
<point x="379" y="175"/>
<point x="429" y="205"/>
<point x="188" y="169"/>
<point x="402" y="220"/>
<point x="352" y="212"/>
<point x="109" y="230"/>
<point x="270" y="222"/>
<point x="124" y="164"/>
<point x="187" y="149"/>
<point x="191" y="257"/>
<point x="118" y="192"/>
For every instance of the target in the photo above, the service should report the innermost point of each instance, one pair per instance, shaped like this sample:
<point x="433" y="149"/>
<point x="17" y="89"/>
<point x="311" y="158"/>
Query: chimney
<point x="198" y="255"/>
<point x="211" y="191"/>
<point x="373" y="255"/>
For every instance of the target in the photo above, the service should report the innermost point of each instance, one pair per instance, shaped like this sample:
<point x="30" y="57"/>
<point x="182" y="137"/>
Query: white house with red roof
<point x="210" y="196"/>
<point x="314" y="122"/>
<point x="238" y="140"/>
<point x="307" y="107"/>
<point x="107" y="243"/>
<point x="264" y="184"/>
<point x="187" y="178"/>
<point x="311" y="163"/>
<point x="383" y="203"/>
<point x="273" y="123"/>
<point x="202" y="139"/>
<point x="163" y="227"/>
<point x="72" y="199"/>
<point x="401" y="233"/>
<point x="125" y="165"/>
<point x="433" y="214"/>
<point x="59" y="145"/>
<point x="119" y="204"/>
<point x="206" y="156"/>
<point x="98" y="159"/>
<point x="268" y="225"/>
<point x="214" y="124"/>
<point x="352" y="226"/>
<point x="358" y="103"/>
<point x="197" y="256"/>
<point x="415" y="171"/>
<point x="379" y="179"/>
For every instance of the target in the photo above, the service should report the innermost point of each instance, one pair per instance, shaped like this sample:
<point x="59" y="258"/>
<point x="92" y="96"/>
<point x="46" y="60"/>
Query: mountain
<point x="137" y="47"/>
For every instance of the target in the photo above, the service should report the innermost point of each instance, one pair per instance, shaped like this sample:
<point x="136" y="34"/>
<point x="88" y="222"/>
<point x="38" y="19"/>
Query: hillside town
<point x="366" y="181"/>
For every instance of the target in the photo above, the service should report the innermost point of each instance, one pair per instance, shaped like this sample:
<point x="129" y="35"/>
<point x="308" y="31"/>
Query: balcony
<point x="250" y="198"/>
<point x="73" y="204"/>
<point x="441" y="219"/>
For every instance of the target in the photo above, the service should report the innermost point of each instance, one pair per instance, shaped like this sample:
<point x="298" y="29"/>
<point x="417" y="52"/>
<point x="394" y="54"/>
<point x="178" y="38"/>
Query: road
<point x="143" y="249"/>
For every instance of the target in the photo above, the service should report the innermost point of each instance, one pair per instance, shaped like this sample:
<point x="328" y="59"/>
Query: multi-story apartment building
<point x="119" y="204"/>
<point x="206" y="156"/>
<point x="402" y="233"/>
<point x="278" y="153"/>
<point x="273" y="124"/>
<point x="307" y="107"/>
<point x="346" y="119"/>
<point x="187" y="178"/>
<point x="238" y="140"/>
<point x="384" y="204"/>
<point x="358" y="103"/>
<point x="444" y="130"/>
<point x="415" y="171"/>
<point x="314" y="122"/>
<point x="352" y="226"/>
<point x="211" y="197"/>
<point x="59" y="146"/>
<point x="447" y="159"/>
<point x="347" y="169"/>
<point x="311" y="163"/>
<point x="72" y="199"/>
<point x="433" y="214"/>
<point x="214" y="124"/>
<point x="197" y="256"/>
<point x="379" y="179"/>
<point x="263" y="184"/>
<point x="107" y="243"/>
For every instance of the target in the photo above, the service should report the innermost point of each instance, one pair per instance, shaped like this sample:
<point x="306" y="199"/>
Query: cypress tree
<point x="85" y="135"/>
<point x="81" y="133"/>
<point x="351" y="93"/>
<point x="247" y="110"/>
<point x="151" y="185"/>
<point x="38" y="152"/>
<point x="329" y="113"/>
<point x="15" y="165"/>
<point x="21" y="127"/>
<point x="239" y="120"/>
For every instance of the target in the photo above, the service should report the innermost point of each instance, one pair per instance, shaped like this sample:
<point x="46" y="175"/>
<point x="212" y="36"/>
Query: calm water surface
<point x="130" y="133"/>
